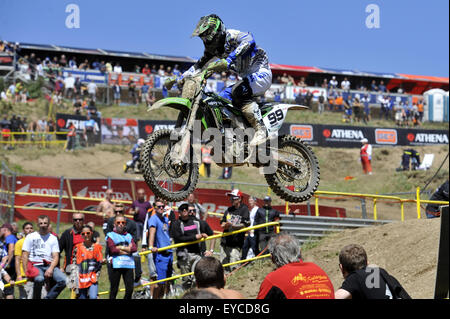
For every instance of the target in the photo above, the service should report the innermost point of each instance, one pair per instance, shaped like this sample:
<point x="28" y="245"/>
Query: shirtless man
<point x="106" y="207"/>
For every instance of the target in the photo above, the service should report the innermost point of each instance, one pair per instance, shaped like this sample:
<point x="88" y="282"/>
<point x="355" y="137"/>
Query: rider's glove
<point x="220" y="65"/>
<point x="169" y="82"/>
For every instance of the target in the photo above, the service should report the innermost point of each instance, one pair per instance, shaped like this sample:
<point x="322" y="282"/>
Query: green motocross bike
<point x="171" y="158"/>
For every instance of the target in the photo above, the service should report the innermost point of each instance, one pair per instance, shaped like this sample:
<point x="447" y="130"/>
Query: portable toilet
<point x="436" y="106"/>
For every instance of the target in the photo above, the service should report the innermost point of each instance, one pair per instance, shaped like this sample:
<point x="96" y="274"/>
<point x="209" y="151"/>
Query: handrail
<point x="149" y="251"/>
<point x="375" y="197"/>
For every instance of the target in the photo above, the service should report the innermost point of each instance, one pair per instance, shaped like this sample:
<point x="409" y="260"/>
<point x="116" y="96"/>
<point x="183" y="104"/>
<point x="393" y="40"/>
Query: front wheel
<point x="166" y="180"/>
<point x="295" y="183"/>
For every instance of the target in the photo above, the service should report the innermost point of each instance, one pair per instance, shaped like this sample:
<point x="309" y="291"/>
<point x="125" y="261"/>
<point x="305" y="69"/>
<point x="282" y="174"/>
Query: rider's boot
<point x="252" y="113"/>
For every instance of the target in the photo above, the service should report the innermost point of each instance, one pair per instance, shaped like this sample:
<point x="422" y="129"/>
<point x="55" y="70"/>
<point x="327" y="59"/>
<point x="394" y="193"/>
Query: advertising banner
<point x="350" y="136"/>
<point x="63" y="123"/>
<point x="147" y="127"/>
<point x="119" y="131"/>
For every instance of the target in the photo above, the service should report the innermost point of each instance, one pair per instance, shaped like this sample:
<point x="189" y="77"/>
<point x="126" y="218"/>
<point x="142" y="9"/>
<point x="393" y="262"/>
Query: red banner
<point x="213" y="200"/>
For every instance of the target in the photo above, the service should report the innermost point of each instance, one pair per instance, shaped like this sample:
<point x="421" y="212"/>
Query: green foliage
<point x="34" y="88"/>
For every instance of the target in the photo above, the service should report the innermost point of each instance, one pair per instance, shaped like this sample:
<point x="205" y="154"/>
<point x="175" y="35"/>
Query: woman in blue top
<point x="121" y="247"/>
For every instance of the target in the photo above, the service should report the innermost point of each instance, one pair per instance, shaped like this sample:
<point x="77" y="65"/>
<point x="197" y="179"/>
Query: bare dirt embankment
<point x="407" y="250"/>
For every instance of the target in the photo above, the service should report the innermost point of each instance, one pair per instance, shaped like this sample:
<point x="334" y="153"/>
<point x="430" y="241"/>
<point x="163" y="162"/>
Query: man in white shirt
<point x="117" y="68"/>
<point x="252" y="240"/>
<point x="345" y="85"/>
<point x="41" y="248"/>
<point x="333" y="82"/>
<point x="92" y="90"/>
<point x="69" y="84"/>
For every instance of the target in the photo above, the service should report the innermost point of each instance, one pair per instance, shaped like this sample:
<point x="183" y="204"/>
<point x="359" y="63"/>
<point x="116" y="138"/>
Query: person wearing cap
<point x="266" y="215"/>
<point x="366" y="156"/>
<point x="200" y="211"/>
<point x="235" y="217"/>
<point x="185" y="229"/>
<point x="6" y="234"/>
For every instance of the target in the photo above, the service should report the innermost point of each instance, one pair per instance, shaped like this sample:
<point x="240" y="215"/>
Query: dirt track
<point x="407" y="250"/>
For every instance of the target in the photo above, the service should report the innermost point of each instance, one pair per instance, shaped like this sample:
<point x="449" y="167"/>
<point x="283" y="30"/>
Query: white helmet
<point x="140" y="141"/>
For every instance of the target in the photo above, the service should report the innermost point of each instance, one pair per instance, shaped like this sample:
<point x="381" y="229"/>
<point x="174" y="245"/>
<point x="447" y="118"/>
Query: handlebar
<point x="216" y="66"/>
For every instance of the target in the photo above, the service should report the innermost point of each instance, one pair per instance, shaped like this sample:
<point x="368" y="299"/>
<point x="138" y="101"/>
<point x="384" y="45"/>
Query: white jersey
<point x="40" y="247"/>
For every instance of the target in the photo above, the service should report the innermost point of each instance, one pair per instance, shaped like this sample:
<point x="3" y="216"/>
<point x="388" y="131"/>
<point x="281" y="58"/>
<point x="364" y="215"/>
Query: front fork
<point x="179" y="154"/>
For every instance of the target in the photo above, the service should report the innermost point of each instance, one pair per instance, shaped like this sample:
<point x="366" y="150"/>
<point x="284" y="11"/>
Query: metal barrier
<point x="37" y="138"/>
<point x="149" y="251"/>
<point x="376" y="197"/>
<point x="310" y="228"/>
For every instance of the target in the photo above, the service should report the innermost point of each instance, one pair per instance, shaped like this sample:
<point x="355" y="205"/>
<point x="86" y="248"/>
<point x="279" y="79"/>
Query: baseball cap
<point x="235" y="193"/>
<point x="364" y="140"/>
<point x="267" y="198"/>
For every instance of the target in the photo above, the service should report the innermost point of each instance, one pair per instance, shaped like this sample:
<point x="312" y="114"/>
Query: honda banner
<point x="86" y="194"/>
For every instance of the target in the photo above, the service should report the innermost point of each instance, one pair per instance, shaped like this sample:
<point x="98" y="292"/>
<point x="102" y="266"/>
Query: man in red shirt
<point x="293" y="278"/>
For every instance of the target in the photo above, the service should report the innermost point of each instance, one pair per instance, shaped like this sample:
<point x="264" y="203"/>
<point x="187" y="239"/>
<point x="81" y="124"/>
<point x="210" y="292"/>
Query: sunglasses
<point x="191" y="210"/>
<point x="78" y="219"/>
<point x="86" y="233"/>
<point x="160" y="206"/>
<point x="120" y="223"/>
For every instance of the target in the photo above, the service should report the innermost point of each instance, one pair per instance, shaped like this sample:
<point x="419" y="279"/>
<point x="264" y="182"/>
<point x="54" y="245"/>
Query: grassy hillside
<point x="40" y="108"/>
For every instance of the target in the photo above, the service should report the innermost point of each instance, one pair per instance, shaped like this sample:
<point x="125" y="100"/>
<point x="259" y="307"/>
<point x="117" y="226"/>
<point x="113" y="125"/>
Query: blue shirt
<point x="10" y="239"/>
<point x="162" y="237"/>
<point x="89" y="123"/>
<point x="144" y="88"/>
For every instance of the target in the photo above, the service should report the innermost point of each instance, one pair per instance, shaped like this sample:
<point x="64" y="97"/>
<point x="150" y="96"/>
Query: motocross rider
<point x="136" y="152"/>
<point x="239" y="53"/>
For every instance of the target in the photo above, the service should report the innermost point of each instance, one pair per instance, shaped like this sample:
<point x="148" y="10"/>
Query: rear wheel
<point x="166" y="180"/>
<point x="295" y="183"/>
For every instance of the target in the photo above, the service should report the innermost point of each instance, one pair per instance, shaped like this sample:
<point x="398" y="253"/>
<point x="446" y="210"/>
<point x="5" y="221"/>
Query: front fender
<point x="177" y="103"/>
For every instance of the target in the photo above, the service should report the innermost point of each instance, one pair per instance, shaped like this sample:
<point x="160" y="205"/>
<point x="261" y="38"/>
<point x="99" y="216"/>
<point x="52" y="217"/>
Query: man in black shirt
<point x="185" y="229"/>
<point x="235" y="217"/>
<point x="365" y="282"/>
<point x="266" y="215"/>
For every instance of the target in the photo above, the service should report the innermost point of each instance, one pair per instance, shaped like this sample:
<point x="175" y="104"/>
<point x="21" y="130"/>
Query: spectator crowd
<point x="76" y="259"/>
<point x="355" y="108"/>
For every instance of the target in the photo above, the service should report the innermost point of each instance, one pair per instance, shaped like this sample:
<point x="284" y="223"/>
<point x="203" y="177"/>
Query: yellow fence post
<point x="402" y="210"/>
<point x="317" y="206"/>
<point x="418" y="201"/>
<point x="375" y="217"/>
